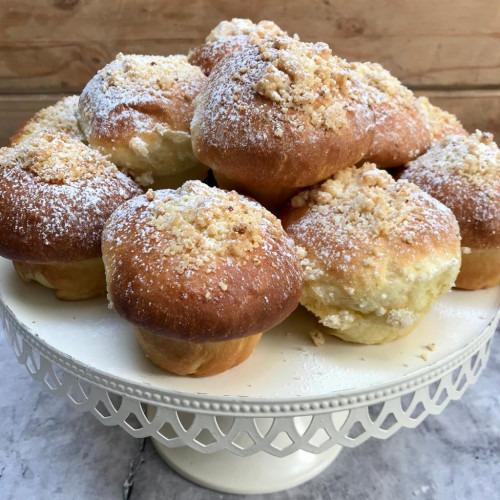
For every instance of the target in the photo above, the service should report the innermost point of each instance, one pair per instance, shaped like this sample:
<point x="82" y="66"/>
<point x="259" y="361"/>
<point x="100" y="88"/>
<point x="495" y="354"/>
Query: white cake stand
<point x="270" y="424"/>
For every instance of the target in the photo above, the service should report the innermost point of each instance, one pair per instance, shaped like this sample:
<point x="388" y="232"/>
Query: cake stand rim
<point x="233" y="405"/>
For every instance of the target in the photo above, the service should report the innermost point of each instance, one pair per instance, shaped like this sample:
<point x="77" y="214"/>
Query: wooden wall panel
<point x="477" y="109"/>
<point x="56" y="45"/>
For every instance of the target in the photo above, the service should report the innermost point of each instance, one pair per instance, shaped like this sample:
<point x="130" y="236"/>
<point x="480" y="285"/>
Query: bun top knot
<point x="229" y="37"/>
<point x="238" y="26"/>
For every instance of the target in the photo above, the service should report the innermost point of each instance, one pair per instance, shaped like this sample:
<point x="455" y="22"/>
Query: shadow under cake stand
<point x="270" y="424"/>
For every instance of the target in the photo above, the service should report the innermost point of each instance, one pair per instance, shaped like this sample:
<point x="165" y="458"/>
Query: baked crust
<point x="480" y="268"/>
<point x="289" y="128"/>
<point x="200" y="265"/>
<point x="227" y="38"/>
<point x="78" y="280"/>
<point x="440" y="122"/>
<point x="138" y="109"/>
<point x="61" y="117"/>
<point x="401" y="133"/>
<point x="463" y="173"/>
<point x="377" y="253"/>
<point x="196" y="359"/>
<point x="55" y="196"/>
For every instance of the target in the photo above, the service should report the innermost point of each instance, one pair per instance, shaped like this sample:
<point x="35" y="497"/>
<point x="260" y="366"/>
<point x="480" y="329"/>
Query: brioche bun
<point x="61" y="117"/>
<point x="137" y="110"/>
<point x="401" y="132"/>
<point x="55" y="196"/>
<point x="280" y="115"/>
<point x="377" y="253"/>
<point x="199" y="271"/>
<point x="463" y="173"/>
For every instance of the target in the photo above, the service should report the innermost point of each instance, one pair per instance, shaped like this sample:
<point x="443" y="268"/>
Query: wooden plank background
<point x="449" y="50"/>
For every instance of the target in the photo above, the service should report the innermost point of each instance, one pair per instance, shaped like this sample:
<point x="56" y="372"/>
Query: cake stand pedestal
<point x="270" y="424"/>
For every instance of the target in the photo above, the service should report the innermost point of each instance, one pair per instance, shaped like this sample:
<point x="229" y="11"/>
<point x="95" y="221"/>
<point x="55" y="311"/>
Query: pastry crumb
<point x="318" y="339"/>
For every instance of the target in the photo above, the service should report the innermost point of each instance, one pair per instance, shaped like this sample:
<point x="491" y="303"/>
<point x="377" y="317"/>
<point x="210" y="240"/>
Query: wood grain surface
<point x="56" y="45"/>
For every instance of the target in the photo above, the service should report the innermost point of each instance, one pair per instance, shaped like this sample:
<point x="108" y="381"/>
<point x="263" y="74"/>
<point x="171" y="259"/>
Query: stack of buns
<point x="302" y="212"/>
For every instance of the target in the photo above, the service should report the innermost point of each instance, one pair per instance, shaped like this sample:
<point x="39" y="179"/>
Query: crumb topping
<point x="56" y="194"/>
<point x="142" y="93"/>
<point x="61" y="117"/>
<point x="377" y="77"/>
<point x="463" y="172"/>
<point x="364" y="204"/>
<point x="305" y="76"/>
<point x="57" y="159"/>
<point x="440" y="122"/>
<point x="238" y="26"/>
<point x="132" y="71"/>
<point x="317" y="338"/>
<point x="475" y="158"/>
<point x="200" y="224"/>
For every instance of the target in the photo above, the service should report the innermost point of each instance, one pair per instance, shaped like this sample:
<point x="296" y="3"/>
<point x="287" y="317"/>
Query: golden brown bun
<point x="137" y="110"/>
<point x="280" y="115"/>
<point x="227" y="38"/>
<point x="401" y="133"/>
<point x="77" y="280"/>
<point x="210" y="54"/>
<point x="463" y="172"/>
<point x="61" y="117"/>
<point x="55" y="195"/>
<point x="196" y="359"/>
<point x="377" y="253"/>
<point x="480" y="268"/>
<point x="200" y="264"/>
<point x="440" y="122"/>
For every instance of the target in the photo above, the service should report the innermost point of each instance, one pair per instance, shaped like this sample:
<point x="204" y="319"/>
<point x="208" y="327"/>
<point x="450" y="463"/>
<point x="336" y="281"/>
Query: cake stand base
<point x="257" y="474"/>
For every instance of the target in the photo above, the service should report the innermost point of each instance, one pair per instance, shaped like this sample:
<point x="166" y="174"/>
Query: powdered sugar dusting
<point x="57" y="158"/>
<point x="61" y="117"/>
<point x="55" y="196"/>
<point x="200" y="225"/>
<point x="387" y="85"/>
<point x="463" y="172"/>
<point x="400" y="133"/>
<point x="440" y="122"/>
<point x="243" y="108"/>
<point x="238" y="26"/>
<point x="308" y="77"/>
<point x="361" y="209"/>
<point x="129" y="84"/>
